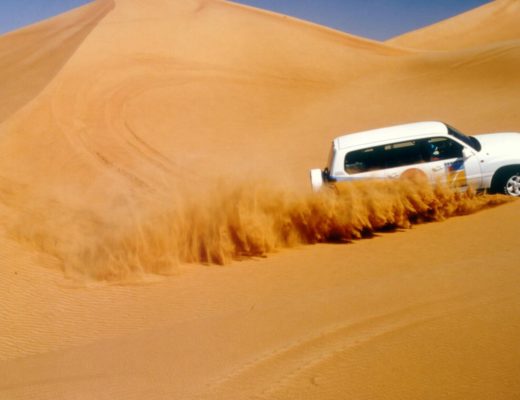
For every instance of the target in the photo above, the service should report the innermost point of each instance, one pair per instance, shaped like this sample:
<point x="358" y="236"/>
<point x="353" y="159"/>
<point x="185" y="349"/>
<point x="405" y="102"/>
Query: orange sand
<point x="142" y="142"/>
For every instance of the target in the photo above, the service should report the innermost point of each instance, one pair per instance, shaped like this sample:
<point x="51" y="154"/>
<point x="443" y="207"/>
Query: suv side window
<point x="404" y="153"/>
<point x="364" y="160"/>
<point x="382" y="157"/>
<point x="441" y="148"/>
<point x="401" y="154"/>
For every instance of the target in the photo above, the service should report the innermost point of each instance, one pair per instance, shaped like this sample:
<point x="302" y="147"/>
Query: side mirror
<point x="467" y="153"/>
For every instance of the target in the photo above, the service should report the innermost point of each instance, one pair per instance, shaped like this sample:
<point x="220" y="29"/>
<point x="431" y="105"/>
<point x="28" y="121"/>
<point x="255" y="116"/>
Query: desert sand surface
<point x="159" y="240"/>
<point x="492" y="23"/>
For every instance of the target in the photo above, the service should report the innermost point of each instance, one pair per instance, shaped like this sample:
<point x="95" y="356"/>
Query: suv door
<point x="450" y="164"/>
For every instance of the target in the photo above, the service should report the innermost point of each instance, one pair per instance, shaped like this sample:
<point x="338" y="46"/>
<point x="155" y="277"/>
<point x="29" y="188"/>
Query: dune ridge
<point x="474" y="28"/>
<point x="31" y="57"/>
<point x="358" y="42"/>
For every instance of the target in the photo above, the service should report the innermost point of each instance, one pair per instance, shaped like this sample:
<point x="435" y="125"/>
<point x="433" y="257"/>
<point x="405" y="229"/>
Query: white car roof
<point x="389" y="134"/>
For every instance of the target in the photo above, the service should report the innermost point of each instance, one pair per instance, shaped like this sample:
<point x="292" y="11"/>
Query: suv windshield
<point x="469" y="140"/>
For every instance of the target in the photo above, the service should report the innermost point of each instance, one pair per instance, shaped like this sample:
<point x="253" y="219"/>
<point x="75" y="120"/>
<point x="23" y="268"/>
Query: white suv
<point x="432" y="149"/>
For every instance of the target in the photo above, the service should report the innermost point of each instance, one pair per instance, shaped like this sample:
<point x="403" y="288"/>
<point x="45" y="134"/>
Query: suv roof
<point x="398" y="132"/>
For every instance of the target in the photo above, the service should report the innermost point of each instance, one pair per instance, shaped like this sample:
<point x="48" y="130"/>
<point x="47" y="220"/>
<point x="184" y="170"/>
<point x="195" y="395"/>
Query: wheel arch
<point x="499" y="173"/>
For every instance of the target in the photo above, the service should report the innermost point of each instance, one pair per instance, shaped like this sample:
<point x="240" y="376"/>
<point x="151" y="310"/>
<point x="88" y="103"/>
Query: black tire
<point x="507" y="182"/>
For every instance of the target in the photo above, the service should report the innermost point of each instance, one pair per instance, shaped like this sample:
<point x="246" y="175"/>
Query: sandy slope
<point x="325" y="321"/>
<point x="135" y="141"/>
<point x="31" y="57"/>
<point x="494" y="22"/>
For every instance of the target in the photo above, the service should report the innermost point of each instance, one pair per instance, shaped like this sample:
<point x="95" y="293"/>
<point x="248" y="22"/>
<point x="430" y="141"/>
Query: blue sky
<point x="375" y="19"/>
<point x="17" y="13"/>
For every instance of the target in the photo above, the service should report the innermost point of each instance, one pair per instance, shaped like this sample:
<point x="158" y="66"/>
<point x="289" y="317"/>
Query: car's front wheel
<point x="512" y="186"/>
<point x="508" y="182"/>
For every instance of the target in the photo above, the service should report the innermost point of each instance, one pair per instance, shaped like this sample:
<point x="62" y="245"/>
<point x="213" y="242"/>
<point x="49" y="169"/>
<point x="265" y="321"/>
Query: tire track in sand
<point x="261" y="377"/>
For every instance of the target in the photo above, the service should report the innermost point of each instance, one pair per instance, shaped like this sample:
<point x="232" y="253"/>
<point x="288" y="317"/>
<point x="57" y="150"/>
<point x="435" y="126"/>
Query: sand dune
<point x="491" y="23"/>
<point x="121" y="70"/>
<point x="313" y="322"/>
<point x="147" y="138"/>
<point x="31" y="57"/>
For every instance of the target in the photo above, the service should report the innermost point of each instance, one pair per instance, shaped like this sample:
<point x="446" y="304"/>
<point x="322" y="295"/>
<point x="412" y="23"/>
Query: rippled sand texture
<point x="156" y="219"/>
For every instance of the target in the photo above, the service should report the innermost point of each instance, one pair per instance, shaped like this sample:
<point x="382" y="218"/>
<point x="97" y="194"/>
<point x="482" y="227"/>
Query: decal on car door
<point x="456" y="173"/>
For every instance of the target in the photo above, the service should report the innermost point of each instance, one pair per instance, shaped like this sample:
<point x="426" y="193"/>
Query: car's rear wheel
<point x="508" y="182"/>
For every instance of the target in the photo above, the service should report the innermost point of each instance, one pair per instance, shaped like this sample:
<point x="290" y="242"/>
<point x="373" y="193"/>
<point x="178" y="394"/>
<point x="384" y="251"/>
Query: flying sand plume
<point x="232" y="223"/>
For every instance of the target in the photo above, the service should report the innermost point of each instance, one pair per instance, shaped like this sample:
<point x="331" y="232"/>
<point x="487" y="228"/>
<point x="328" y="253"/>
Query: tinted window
<point x="469" y="140"/>
<point x="401" y="154"/>
<point x="381" y="157"/>
<point x="442" y="148"/>
<point x="364" y="160"/>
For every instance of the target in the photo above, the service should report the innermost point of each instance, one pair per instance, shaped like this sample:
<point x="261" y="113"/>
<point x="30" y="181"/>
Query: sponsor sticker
<point x="456" y="173"/>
